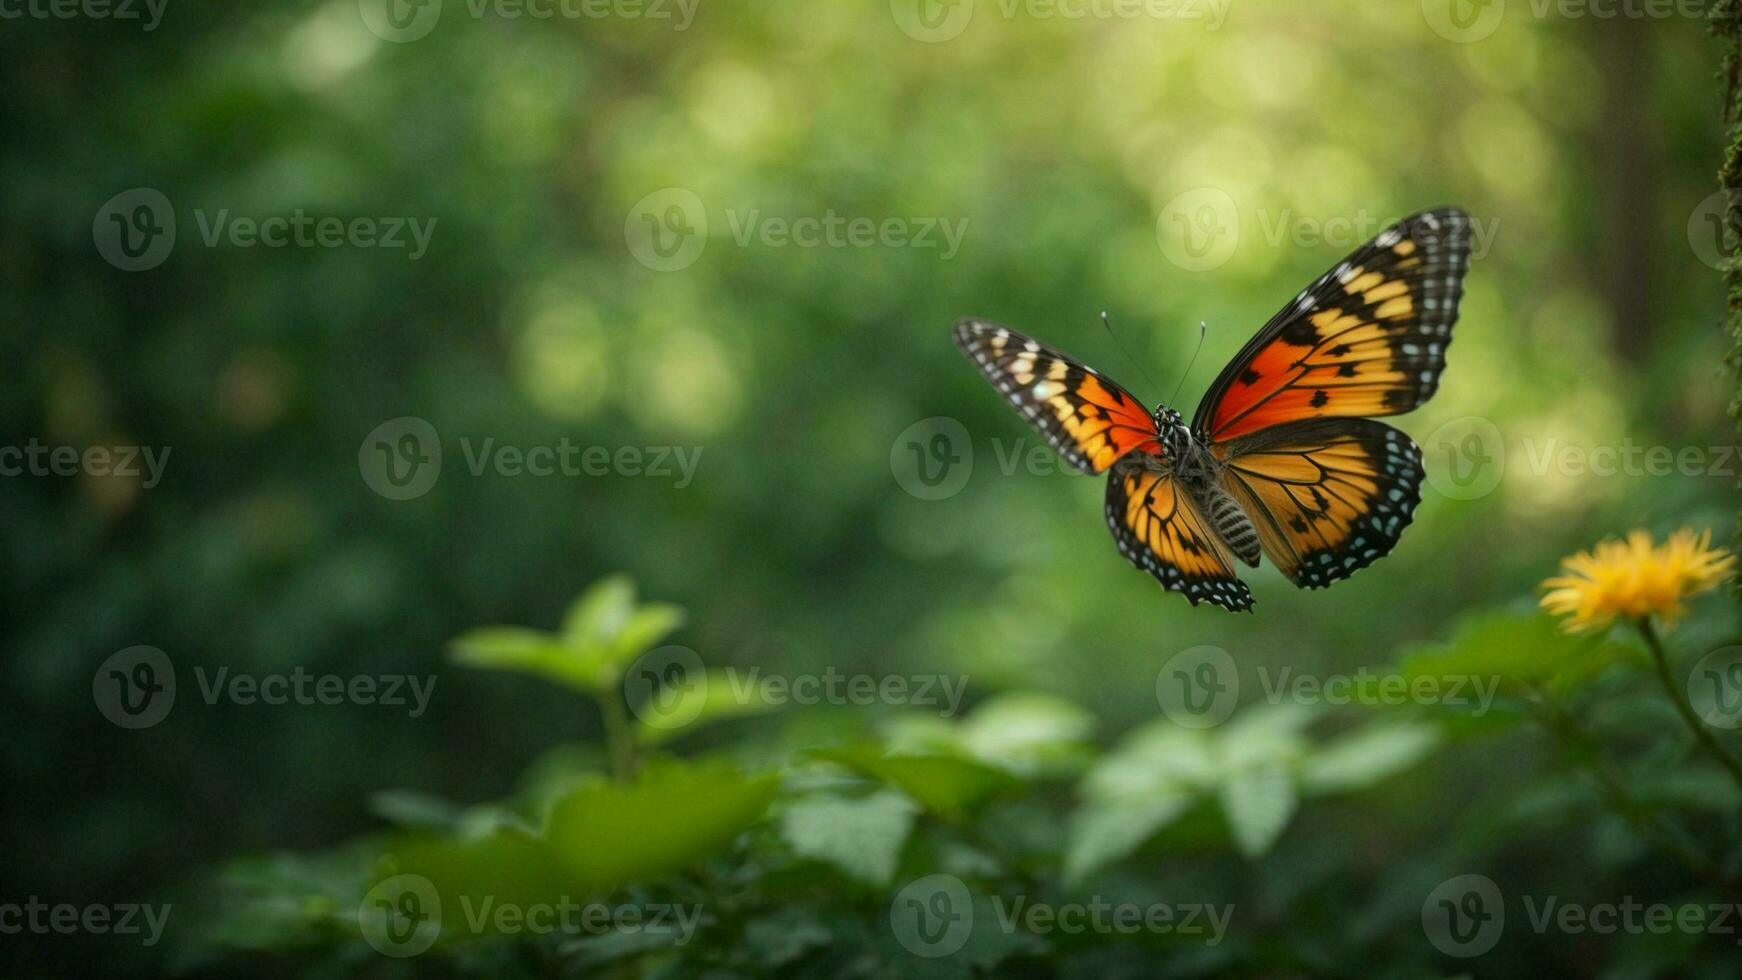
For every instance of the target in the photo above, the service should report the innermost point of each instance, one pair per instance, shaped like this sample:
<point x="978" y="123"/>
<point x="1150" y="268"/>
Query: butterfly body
<point x="1280" y="458"/>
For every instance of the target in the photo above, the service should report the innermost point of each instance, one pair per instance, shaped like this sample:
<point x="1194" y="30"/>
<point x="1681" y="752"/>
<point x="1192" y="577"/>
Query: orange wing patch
<point x="1367" y="339"/>
<point x="1328" y="498"/>
<point x="1162" y="530"/>
<point x="1090" y="420"/>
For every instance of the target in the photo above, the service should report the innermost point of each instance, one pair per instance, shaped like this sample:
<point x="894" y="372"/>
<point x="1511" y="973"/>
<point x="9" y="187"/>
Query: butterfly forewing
<point x="1089" y="419"/>
<point x="1367" y="339"/>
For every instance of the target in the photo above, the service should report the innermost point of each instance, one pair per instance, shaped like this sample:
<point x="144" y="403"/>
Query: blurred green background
<point x="1060" y="146"/>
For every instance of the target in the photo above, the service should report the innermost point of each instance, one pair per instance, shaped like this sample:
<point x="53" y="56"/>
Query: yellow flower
<point x="1633" y="579"/>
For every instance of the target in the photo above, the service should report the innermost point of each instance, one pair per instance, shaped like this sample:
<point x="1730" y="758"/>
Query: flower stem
<point x="1582" y="748"/>
<point x="1679" y="697"/>
<point x="617" y="734"/>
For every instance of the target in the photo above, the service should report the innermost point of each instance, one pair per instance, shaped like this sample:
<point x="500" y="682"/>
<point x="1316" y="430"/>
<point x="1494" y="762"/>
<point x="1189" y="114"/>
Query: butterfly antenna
<point x="1105" y="322"/>
<point x="1203" y="329"/>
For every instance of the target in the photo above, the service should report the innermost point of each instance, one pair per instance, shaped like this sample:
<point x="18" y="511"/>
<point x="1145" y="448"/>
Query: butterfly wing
<point x="1328" y="497"/>
<point x="1091" y="421"/>
<point x="1367" y="339"/>
<point x="1162" y="530"/>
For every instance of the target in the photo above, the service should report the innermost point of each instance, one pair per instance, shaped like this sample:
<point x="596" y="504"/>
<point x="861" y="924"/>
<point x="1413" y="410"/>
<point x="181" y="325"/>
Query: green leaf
<point x="598" y="614"/>
<point x="1366" y="756"/>
<point x="1029" y="734"/>
<point x="783" y="935"/>
<point x="1258" y="803"/>
<point x="862" y="837"/>
<point x="1101" y="833"/>
<point x="534" y="652"/>
<point x="719" y="696"/>
<point x="1516" y="650"/>
<point x="413" y="810"/>
<point x="674" y="815"/>
<point x="1159" y="757"/>
<point x="947" y="785"/>
<point x="473" y="876"/>
<point x="643" y="630"/>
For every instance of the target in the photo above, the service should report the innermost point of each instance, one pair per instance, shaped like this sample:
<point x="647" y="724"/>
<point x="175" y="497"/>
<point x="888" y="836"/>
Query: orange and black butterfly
<point x="1281" y="457"/>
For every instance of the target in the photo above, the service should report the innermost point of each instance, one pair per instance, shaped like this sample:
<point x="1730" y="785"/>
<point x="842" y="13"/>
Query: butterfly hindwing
<point x="1328" y="497"/>
<point x="1163" y="531"/>
<point x="1367" y="339"/>
<point x="1089" y="419"/>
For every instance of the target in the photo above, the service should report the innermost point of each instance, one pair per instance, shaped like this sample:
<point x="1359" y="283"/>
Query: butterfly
<point x="1282" y="457"/>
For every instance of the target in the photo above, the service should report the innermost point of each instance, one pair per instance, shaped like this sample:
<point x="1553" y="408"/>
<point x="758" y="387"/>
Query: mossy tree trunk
<point x="1726" y="19"/>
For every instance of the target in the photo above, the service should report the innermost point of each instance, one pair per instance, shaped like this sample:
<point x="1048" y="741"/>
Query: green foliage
<point x="603" y="631"/>
<point x="808" y="862"/>
<point x="1522" y="651"/>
